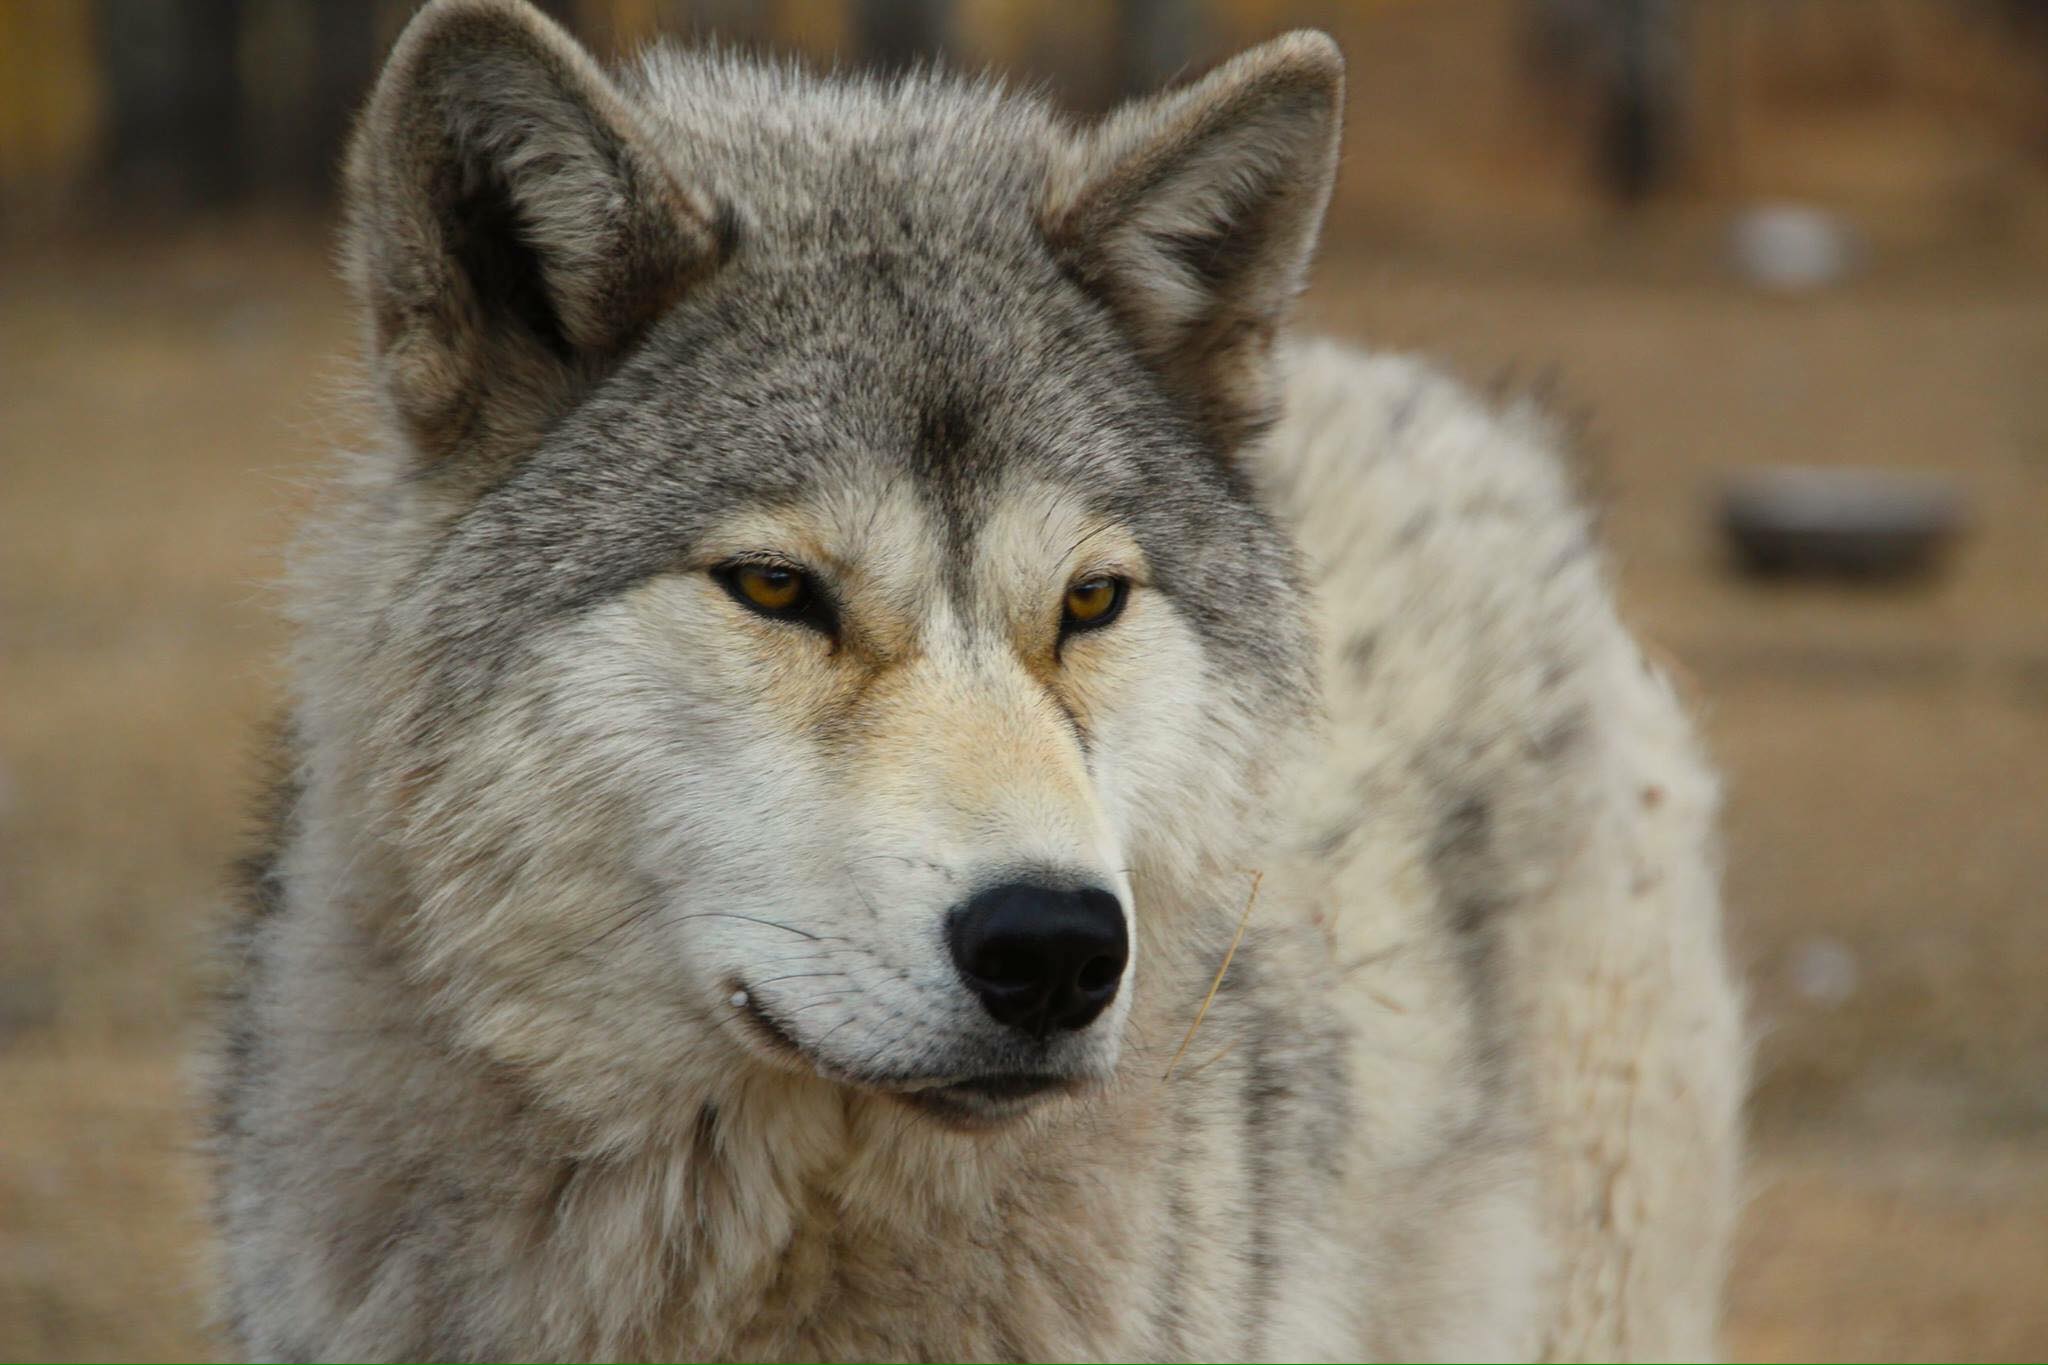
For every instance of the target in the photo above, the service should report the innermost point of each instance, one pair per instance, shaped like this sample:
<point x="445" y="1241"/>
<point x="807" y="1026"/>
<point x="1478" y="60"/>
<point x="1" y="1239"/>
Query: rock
<point x="1859" y="523"/>
<point x="1791" y="247"/>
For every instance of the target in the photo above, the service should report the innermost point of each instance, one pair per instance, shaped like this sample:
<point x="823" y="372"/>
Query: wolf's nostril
<point x="1100" y="972"/>
<point x="1040" y="957"/>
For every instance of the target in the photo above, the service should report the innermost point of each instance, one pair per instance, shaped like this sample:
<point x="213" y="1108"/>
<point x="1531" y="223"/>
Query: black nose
<point x="1041" y="958"/>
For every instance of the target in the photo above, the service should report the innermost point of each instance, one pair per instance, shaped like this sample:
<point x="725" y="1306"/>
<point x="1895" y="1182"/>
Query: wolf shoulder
<point x="1408" y="489"/>
<point x="1513" y="826"/>
<point x="1480" y="687"/>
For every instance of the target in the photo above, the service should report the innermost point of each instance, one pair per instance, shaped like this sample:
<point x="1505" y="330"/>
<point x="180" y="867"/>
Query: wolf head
<point x="810" y="615"/>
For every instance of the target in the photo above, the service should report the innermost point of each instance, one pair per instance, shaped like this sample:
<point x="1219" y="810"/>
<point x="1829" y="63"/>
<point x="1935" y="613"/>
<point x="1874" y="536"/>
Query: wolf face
<point x="811" y="606"/>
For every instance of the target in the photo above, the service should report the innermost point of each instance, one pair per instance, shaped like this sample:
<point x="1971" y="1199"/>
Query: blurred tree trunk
<point x="1158" y="42"/>
<point x="176" y="98"/>
<point x="894" y="34"/>
<point x="49" y="103"/>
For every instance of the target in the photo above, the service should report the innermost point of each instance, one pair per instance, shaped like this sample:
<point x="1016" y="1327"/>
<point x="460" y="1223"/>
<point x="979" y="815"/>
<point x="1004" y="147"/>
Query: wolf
<point x="882" y="764"/>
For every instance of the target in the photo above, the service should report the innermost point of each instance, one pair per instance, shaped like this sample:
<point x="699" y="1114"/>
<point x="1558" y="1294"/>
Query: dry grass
<point x="1202" y="1012"/>
<point x="1888" y="753"/>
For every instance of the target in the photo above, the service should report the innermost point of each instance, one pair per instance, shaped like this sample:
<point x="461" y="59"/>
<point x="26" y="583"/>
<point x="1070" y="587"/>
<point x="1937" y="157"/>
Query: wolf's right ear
<point x="511" y="230"/>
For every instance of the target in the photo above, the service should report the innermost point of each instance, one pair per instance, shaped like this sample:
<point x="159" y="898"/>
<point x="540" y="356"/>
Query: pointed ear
<point x="511" y="230"/>
<point x="1193" y="216"/>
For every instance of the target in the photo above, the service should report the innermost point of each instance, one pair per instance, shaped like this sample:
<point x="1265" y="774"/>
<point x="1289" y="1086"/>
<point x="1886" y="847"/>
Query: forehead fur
<point x="889" y="317"/>
<point x="807" y="160"/>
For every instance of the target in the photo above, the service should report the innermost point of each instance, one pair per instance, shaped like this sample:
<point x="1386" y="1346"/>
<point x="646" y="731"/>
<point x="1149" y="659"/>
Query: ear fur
<point x="1193" y="215"/>
<point x="511" y="231"/>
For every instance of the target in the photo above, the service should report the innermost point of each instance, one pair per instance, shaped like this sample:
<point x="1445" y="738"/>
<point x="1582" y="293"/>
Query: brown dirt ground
<point x="1887" y="751"/>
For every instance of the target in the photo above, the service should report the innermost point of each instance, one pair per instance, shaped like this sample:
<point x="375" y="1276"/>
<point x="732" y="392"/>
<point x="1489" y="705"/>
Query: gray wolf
<point x="859" y="610"/>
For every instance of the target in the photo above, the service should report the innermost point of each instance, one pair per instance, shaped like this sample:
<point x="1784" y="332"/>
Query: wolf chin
<point x="856" y="612"/>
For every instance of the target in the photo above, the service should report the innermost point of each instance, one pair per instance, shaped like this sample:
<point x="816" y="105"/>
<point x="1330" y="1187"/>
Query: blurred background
<point x="1723" y="236"/>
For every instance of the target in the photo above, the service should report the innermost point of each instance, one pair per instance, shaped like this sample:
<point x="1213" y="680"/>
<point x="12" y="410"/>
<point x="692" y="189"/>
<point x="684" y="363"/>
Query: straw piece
<point x="1214" y="986"/>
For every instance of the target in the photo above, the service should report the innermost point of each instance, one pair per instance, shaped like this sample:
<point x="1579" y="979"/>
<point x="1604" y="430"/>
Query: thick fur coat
<point x="595" y="1000"/>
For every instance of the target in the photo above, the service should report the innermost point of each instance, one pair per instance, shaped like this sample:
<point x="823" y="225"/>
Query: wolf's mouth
<point x="979" y="1101"/>
<point x="985" y="1101"/>
<point x="774" y="1034"/>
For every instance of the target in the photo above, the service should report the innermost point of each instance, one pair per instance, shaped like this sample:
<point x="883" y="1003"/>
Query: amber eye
<point x="1093" y="603"/>
<point x="776" y="590"/>
<point x="768" y="586"/>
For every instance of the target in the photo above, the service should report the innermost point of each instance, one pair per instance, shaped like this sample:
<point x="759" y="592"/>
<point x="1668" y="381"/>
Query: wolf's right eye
<point x="777" y="591"/>
<point x="1093" y="603"/>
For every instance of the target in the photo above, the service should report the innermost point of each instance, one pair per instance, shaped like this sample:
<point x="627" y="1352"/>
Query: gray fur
<point x="593" y="1000"/>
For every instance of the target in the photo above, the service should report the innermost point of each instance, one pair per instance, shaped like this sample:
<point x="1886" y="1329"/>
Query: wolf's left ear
<point x="1193" y="216"/>
<point x="512" y="228"/>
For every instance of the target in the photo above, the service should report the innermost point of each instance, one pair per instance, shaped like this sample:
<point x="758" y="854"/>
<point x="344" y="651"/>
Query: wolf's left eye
<point x="1093" y="603"/>
<point x="775" y="590"/>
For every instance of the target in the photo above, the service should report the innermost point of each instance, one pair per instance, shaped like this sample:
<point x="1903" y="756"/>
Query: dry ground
<point x="1887" y="751"/>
